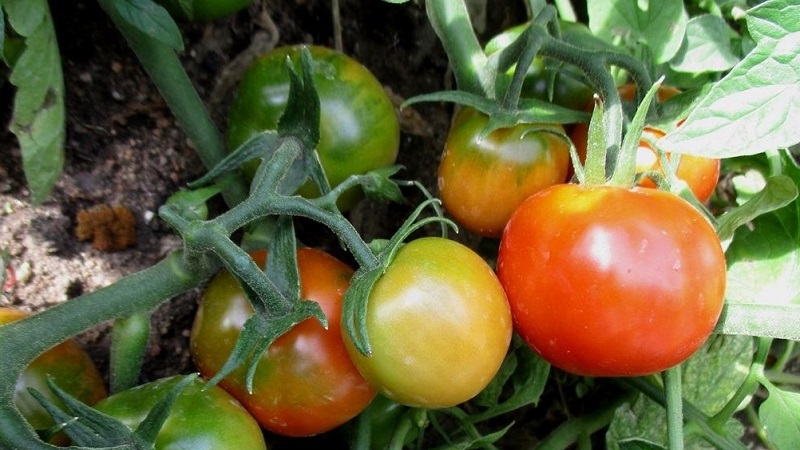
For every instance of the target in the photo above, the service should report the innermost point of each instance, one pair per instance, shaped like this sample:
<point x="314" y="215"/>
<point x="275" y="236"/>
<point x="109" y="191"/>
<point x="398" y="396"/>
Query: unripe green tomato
<point x="202" y="418"/>
<point x="359" y="130"/>
<point x="203" y="10"/>
<point x="70" y="368"/>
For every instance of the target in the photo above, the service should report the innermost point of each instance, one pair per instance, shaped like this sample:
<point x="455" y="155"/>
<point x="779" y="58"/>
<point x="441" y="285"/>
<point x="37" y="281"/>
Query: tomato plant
<point x="305" y="383"/>
<point x="359" y="130"/>
<point x="483" y="179"/>
<point x="609" y="281"/>
<point x="204" y="10"/>
<point x="70" y="368"/>
<point x="439" y="325"/>
<point x="202" y="417"/>
<point x="700" y="174"/>
<point x="568" y="88"/>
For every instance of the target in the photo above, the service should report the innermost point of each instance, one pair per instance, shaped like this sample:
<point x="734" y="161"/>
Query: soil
<point x="123" y="146"/>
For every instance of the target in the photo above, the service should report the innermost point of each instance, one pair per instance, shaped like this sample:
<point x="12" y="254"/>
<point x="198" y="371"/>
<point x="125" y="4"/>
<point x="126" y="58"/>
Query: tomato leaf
<point x="39" y="117"/>
<point x="747" y="112"/>
<point x="151" y="19"/>
<point x="660" y="24"/>
<point x="780" y="415"/>
<point x="710" y="378"/>
<point x="777" y="193"/>
<point x="706" y="46"/>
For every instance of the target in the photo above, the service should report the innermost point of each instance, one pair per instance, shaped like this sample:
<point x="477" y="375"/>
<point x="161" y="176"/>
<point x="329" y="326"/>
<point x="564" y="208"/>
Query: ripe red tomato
<point x="359" y="130"/>
<point x="607" y="281"/>
<point x="482" y="181"/>
<point x="70" y="368"/>
<point x="202" y="417"/>
<point x="305" y="383"/>
<point x="700" y="174"/>
<point x="439" y="325"/>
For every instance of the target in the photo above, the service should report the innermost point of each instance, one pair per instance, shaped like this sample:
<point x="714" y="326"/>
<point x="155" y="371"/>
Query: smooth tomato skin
<point x="202" y="418"/>
<point x="359" y="130"/>
<point x="608" y="281"/>
<point x="700" y="174"/>
<point x="439" y="326"/>
<point x="71" y="369"/>
<point x="305" y="383"/>
<point x="205" y="10"/>
<point x="482" y="181"/>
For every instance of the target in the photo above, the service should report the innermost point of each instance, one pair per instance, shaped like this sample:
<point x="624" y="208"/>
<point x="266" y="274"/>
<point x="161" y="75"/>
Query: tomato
<point x="608" y="281"/>
<point x="359" y="130"/>
<point x="482" y="181"/>
<point x="439" y="325"/>
<point x="700" y="174"/>
<point x="202" y="417"/>
<point x="568" y="89"/>
<point x="305" y="383"/>
<point x="70" y="368"/>
<point x="204" y="10"/>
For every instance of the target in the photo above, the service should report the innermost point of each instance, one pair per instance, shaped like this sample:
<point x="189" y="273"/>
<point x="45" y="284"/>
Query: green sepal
<point x="281" y="267"/>
<point x="262" y="145"/>
<point x="378" y="185"/>
<point x="191" y="204"/>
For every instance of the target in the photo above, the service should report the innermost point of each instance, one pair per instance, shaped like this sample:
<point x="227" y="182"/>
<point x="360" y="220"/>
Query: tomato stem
<point x="674" y="398"/>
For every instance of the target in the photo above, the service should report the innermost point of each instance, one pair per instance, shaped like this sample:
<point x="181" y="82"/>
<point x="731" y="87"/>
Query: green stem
<point x="719" y="438"/>
<point x="566" y="11"/>
<point x="784" y="357"/>
<point x="128" y="345"/>
<point x="450" y="21"/>
<point x="674" y="399"/>
<point x="21" y="342"/>
<point x="748" y="386"/>
<point x="567" y="434"/>
<point x="166" y="71"/>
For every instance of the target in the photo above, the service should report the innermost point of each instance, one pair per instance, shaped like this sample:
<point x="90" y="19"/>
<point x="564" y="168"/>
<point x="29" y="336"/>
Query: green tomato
<point x="203" y="10"/>
<point x="568" y="88"/>
<point x="202" y="418"/>
<point x="439" y="325"/>
<point x="69" y="367"/>
<point x="359" y="130"/>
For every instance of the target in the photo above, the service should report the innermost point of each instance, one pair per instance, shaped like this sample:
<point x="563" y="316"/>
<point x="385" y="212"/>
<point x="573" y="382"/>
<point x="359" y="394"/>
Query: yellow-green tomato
<point x="439" y="326"/>
<point x="359" y="130"/>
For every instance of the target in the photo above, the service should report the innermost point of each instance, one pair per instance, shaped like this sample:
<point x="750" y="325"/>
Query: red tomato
<point x="305" y="383"/>
<point x="70" y="368"/>
<point x="482" y="181"/>
<point x="607" y="281"/>
<point x="701" y="174"/>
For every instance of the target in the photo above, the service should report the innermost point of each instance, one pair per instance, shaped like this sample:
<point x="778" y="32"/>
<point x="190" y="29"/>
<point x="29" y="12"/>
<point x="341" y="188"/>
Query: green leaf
<point x="39" y="118"/>
<point x="660" y="24"/>
<point x="151" y="19"/>
<point x="706" y="47"/>
<point x="778" y="192"/>
<point x="750" y="110"/>
<point x="780" y="415"/>
<point x="764" y="257"/>
<point x="710" y="378"/>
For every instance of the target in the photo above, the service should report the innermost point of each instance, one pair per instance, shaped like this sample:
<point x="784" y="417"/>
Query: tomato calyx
<point x="101" y="430"/>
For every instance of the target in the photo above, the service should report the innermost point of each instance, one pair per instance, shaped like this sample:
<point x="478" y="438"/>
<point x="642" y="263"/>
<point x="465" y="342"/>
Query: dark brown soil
<point x="123" y="146"/>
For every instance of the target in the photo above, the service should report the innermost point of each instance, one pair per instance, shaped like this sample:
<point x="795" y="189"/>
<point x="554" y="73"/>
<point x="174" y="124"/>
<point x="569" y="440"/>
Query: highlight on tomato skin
<point x="700" y="174"/>
<point x="305" y="383"/>
<point x="612" y="282"/>
<point x="481" y="180"/>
